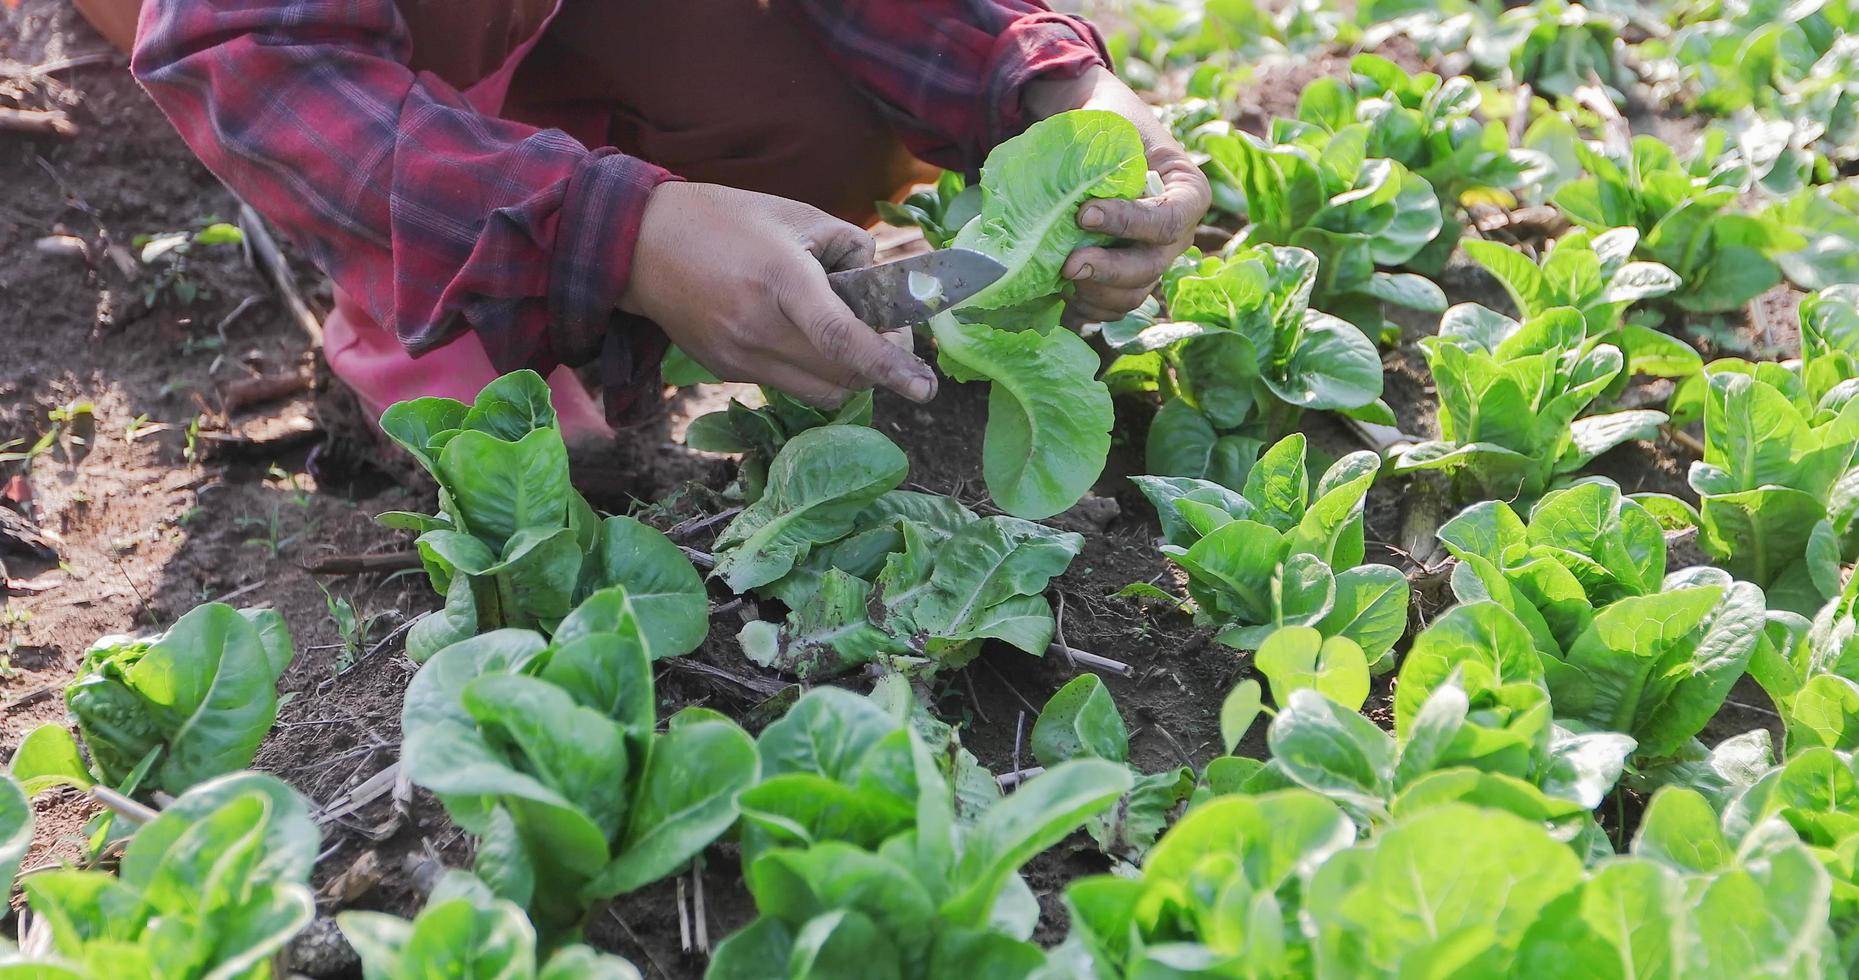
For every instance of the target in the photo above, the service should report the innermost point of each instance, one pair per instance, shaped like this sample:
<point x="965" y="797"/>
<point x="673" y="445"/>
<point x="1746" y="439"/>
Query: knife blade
<point x="910" y="291"/>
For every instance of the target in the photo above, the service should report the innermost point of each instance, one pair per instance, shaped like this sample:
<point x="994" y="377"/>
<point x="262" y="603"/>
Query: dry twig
<point x="267" y="256"/>
<point x="44" y="122"/>
<point x="393" y="561"/>
<point x="122" y="805"/>
<point x="1008" y="780"/>
<point x="1090" y="660"/>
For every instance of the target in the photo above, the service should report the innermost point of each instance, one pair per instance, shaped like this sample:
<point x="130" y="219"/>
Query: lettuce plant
<point x="870" y="853"/>
<point x="1275" y="884"/>
<point x="1323" y="192"/>
<point x="548" y="752"/>
<point x="940" y="210"/>
<point x="1049" y="418"/>
<point x="15" y="830"/>
<point x="1081" y="721"/>
<point x="1811" y="795"/>
<point x="1239" y="358"/>
<point x="212" y="887"/>
<point x="513" y="544"/>
<point x="1583" y="547"/>
<point x="1771" y="157"/>
<point x="1811" y="671"/>
<point x="1724" y="257"/>
<point x="168" y="711"/>
<point x="1626" y="647"/>
<point x="1511" y="398"/>
<point x="1281" y="553"/>
<point x="1775" y="484"/>
<point x="757" y="434"/>
<point x="871" y="572"/>
<point x="1784" y="61"/>
<point x="1555" y="47"/>
<point x="1593" y="273"/>
<point x="1472" y="720"/>
<point x="466" y="930"/>
<point x="1826" y="219"/>
<point x="1427" y="125"/>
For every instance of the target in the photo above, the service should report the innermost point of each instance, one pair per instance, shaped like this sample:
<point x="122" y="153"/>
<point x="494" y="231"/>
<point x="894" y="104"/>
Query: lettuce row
<point x="1511" y="402"/>
<point x="514" y="545"/>
<point x="1767" y="62"/>
<point x="1467" y="834"/>
<point x="872" y="572"/>
<point x="872" y="849"/>
<point x="165" y="712"/>
<point x="1554" y="46"/>
<point x="1276" y="884"/>
<point x="1280" y="552"/>
<point x="1049" y="418"/>
<point x="548" y="751"/>
<point x="1239" y="358"/>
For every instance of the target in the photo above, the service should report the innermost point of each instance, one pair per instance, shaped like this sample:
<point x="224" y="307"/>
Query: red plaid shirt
<point x="437" y="218"/>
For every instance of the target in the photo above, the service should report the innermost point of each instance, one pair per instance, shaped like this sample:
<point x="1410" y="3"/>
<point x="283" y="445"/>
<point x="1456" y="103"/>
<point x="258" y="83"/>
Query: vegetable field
<point x="1447" y="572"/>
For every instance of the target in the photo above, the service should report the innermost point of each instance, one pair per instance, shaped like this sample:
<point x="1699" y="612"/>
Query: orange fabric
<point x="728" y="92"/>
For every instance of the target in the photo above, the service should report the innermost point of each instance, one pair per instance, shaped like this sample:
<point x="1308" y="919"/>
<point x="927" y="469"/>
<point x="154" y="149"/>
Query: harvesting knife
<point x="910" y="291"/>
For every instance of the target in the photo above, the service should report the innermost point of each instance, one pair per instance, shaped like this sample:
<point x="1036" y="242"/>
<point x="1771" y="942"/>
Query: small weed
<point x="11" y="620"/>
<point x="271" y="531"/>
<point x="351" y="627"/>
<point x="169" y="253"/>
<point x="191" y="452"/>
<point x="71" y="425"/>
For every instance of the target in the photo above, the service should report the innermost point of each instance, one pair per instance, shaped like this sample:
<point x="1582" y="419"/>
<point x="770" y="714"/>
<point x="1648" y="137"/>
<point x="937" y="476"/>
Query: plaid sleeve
<point x="948" y="73"/>
<point x="433" y="216"/>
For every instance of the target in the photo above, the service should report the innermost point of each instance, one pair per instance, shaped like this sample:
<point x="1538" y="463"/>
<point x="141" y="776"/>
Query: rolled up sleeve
<point x="949" y="74"/>
<point x="434" y="217"/>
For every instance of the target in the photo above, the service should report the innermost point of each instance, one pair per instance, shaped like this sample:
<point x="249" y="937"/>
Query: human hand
<point x="738" y="281"/>
<point x="1112" y="280"/>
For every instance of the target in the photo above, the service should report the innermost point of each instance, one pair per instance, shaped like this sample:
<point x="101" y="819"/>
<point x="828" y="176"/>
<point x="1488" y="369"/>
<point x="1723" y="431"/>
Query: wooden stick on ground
<point x="62" y="64"/>
<point x="267" y="255"/>
<point x="122" y="805"/>
<point x="697" y="905"/>
<point x="1684" y="439"/>
<point x="1090" y="660"/>
<point x="1008" y="780"/>
<point x="46" y="122"/>
<point x="684" y="919"/>
<point x="394" y="561"/>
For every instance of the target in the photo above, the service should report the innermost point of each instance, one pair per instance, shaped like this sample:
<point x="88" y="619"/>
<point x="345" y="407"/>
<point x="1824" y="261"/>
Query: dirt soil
<point x="157" y="500"/>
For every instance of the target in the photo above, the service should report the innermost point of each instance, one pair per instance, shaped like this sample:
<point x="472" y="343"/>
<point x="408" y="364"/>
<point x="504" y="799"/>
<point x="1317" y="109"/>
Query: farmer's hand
<point x="1113" y="280"/>
<point x="738" y="280"/>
